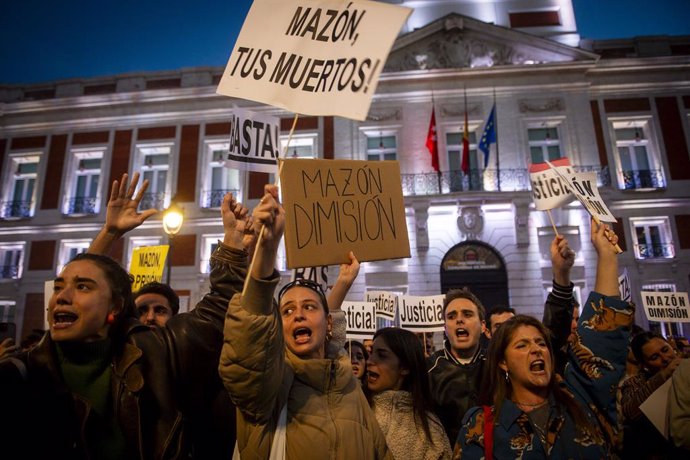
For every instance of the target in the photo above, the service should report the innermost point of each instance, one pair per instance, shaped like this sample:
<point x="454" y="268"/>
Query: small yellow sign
<point x="147" y="265"/>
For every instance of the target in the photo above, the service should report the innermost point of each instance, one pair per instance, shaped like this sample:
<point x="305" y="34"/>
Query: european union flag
<point x="489" y="136"/>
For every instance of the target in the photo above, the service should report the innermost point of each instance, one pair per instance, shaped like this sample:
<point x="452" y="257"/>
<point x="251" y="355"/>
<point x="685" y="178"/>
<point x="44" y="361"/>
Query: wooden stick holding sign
<point x="580" y="185"/>
<point x="277" y="182"/>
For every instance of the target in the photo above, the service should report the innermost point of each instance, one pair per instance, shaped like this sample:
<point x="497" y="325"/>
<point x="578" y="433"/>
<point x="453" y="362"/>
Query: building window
<point x="209" y="244"/>
<point x="138" y="242"/>
<point x="83" y="185"/>
<point x="154" y="163"/>
<point x="218" y="179"/>
<point x="20" y="188"/>
<point x="69" y="250"/>
<point x="8" y="311"/>
<point x="652" y="238"/>
<point x="458" y="180"/>
<point x="638" y="168"/>
<point x="382" y="146"/>
<point x="544" y="143"/>
<point x="12" y="258"/>
<point x="301" y="146"/>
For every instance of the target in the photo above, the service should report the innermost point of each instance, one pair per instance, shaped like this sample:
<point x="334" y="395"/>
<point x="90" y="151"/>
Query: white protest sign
<point x="361" y="319"/>
<point x="656" y="408"/>
<point x="584" y="187"/>
<point x="254" y="142"/>
<point x="421" y="314"/>
<point x="624" y="286"/>
<point x="549" y="190"/>
<point x="386" y="303"/>
<point x="670" y="307"/>
<point x="319" y="275"/>
<point x="313" y="57"/>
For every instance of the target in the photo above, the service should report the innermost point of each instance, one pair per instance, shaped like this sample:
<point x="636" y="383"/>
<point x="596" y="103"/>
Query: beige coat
<point x="405" y="437"/>
<point x="328" y="416"/>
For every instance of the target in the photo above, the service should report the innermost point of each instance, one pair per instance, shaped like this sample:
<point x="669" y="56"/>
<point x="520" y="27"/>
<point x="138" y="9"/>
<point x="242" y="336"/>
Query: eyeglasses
<point x="309" y="284"/>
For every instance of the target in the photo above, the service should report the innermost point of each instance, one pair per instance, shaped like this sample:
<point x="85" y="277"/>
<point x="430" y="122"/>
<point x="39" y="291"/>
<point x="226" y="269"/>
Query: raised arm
<point x="605" y="241"/>
<point x="599" y="350"/>
<point x="252" y="362"/>
<point x="121" y="215"/>
<point x="558" y="309"/>
<point x="346" y="277"/>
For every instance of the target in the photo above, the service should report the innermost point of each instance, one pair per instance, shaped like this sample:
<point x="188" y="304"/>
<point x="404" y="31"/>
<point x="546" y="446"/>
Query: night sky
<point x="49" y="40"/>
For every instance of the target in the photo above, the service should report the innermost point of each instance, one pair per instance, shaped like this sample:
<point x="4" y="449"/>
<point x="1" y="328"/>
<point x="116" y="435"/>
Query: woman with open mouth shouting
<point x="530" y="412"/>
<point x="294" y="387"/>
<point x="401" y="399"/>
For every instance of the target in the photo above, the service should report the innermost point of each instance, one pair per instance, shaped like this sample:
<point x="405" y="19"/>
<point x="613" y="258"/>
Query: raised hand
<point x="8" y="348"/>
<point x="235" y="221"/>
<point x="562" y="260"/>
<point x="605" y="240"/>
<point x="346" y="277"/>
<point x="271" y="215"/>
<point x="121" y="214"/>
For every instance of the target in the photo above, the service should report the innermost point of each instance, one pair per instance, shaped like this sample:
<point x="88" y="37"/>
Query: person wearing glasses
<point x="293" y="385"/>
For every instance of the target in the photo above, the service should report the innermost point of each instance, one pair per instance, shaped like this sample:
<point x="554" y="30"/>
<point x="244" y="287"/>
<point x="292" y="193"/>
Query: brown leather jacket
<point x="160" y="381"/>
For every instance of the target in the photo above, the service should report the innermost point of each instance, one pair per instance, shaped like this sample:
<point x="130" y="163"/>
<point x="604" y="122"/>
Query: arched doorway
<point x="481" y="268"/>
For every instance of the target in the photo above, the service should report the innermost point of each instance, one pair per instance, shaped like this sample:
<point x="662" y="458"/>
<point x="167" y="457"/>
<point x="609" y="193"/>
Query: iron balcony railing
<point x="154" y="200"/>
<point x="16" y="209"/>
<point x="655" y="251"/>
<point x="8" y="272"/>
<point x="478" y="180"/>
<point x="81" y="205"/>
<point x="214" y="198"/>
<point x="644" y="178"/>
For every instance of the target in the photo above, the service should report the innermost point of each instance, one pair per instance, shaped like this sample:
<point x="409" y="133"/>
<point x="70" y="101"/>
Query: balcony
<point x="478" y="180"/>
<point x="81" y="205"/>
<point x="9" y="272"/>
<point x="212" y="199"/>
<point x="643" y="179"/>
<point x="16" y="209"/>
<point x="154" y="200"/>
<point x="655" y="251"/>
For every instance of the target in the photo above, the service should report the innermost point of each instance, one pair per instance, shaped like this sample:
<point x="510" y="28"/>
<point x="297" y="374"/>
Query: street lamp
<point x="172" y="223"/>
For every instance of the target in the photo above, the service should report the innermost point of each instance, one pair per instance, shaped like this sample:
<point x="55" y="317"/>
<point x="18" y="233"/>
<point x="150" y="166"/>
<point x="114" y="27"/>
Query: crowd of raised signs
<point x="253" y="373"/>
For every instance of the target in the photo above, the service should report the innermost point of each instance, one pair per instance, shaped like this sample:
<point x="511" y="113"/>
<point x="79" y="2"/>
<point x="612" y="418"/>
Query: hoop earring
<point x="329" y="335"/>
<point x="507" y="377"/>
<point x="110" y="319"/>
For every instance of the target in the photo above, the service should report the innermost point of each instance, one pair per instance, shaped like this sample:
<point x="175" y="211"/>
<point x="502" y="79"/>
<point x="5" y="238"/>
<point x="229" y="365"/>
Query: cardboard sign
<point x="624" y="286"/>
<point x="147" y="265"/>
<point x="669" y="307"/>
<point x="421" y="314"/>
<point x="549" y="190"/>
<point x="335" y="206"/>
<point x="386" y="303"/>
<point x="318" y="275"/>
<point x="314" y="57"/>
<point x="254" y="142"/>
<point x="361" y="320"/>
<point x="584" y="187"/>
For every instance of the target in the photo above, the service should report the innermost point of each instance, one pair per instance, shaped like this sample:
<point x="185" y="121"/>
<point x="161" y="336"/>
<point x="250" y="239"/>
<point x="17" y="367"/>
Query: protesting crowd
<point x="250" y="373"/>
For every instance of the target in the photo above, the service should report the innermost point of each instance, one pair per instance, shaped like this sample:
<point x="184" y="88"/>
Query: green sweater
<point x="86" y="368"/>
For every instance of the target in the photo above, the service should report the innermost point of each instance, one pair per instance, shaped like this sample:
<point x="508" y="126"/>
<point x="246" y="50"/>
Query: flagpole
<point x="433" y="111"/>
<point x="498" y="162"/>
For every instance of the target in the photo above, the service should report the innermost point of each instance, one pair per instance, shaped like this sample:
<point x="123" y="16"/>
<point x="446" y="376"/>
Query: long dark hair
<point x="405" y="345"/>
<point x="496" y="388"/>
<point x="120" y="283"/>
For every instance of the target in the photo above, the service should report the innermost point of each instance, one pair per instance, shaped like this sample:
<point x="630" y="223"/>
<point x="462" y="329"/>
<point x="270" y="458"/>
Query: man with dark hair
<point x="497" y="316"/>
<point x="156" y="304"/>
<point x="455" y="371"/>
